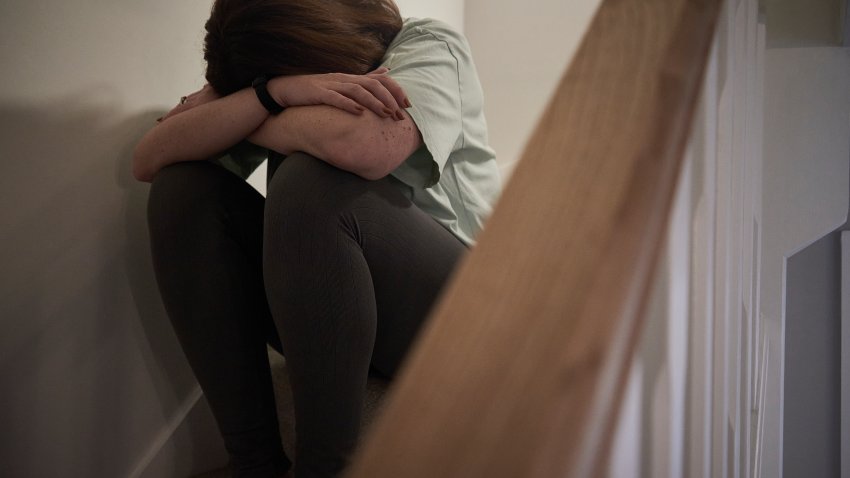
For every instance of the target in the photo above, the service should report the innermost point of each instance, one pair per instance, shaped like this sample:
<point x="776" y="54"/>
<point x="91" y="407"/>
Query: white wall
<point x="803" y="22"/>
<point x="449" y="11"/>
<point x="807" y="154"/>
<point x="92" y="374"/>
<point x="806" y="186"/>
<point x="521" y="50"/>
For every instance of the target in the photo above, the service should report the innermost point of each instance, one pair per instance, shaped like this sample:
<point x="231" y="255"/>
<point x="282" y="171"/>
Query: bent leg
<point x="206" y="240"/>
<point x="351" y="267"/>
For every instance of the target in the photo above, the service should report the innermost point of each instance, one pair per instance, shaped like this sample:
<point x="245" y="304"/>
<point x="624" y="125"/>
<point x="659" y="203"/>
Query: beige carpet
<point x="375" y="390"/>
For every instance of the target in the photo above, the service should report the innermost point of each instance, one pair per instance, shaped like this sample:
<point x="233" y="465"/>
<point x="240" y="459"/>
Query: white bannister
<point x="699" y="397"/>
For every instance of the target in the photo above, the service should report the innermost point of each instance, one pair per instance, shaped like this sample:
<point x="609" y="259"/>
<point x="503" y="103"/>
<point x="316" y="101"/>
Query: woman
<point x="387" y="179"/>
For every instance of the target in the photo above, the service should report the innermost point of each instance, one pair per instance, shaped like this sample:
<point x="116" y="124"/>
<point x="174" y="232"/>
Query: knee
<point x="306" y="192"/>
<point x="187" y="197"/>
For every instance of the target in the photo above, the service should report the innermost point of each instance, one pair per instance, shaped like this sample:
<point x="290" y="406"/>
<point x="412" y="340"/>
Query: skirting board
<point x="188" y="445"/>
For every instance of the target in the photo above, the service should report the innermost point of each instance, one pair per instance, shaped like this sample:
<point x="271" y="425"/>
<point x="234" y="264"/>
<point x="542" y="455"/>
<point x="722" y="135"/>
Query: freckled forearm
<point x="365" y="144"/>
<point x="199" y="133"/>
<point x="281" y="133"/>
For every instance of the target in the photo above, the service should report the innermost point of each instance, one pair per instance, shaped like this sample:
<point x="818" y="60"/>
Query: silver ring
<point x="183" y="99"/>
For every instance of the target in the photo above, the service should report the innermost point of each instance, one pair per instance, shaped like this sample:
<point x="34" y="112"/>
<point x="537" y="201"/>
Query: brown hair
<point x="249" y="38"/>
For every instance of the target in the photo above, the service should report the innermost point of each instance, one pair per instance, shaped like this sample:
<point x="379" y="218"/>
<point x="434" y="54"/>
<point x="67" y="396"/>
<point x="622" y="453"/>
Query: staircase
<point x="609" y="275"/>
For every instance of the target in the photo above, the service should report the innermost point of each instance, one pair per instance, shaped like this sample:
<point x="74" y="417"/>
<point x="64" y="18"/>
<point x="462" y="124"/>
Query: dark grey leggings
<point x="338" y="270"/>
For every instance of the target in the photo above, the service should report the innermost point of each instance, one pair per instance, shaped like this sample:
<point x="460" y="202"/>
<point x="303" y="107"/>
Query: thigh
<point x="409" y="255"/>
<point x="411" y="258"/>
<point x="206" y="228"/>
<point x="190" y="200"/>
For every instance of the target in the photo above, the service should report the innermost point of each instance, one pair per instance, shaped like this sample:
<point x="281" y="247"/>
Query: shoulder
<point x="418" y="27"/>
<point x="428" y="34"/>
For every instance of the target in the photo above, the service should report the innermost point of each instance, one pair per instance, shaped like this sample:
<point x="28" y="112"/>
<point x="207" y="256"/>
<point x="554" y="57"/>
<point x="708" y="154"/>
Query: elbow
<point x="141" y="166"/>
<point x="371" y="172"/>
<point x="373" y="175"/>
<point x="141" y="174"/>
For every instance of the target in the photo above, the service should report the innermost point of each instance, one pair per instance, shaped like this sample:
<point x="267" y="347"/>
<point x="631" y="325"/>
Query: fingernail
<point x="388" y="112"/>
<point x="407" y="103"/>
<point x="399" y="116"/>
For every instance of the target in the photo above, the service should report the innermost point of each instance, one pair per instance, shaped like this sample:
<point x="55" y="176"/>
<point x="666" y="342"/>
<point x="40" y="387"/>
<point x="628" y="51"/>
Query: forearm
<point x="366" y="144"/>
<point x="199" y="133"/>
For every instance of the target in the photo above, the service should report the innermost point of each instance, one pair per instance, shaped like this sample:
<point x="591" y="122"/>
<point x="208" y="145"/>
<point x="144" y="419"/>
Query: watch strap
<point x="261" y="88"/>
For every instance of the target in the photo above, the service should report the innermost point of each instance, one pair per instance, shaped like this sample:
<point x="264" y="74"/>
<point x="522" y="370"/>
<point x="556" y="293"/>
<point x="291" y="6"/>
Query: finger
<point x="192" y="98"/>
<point x="338" y="100"/>
<point x="176" y="110"/>
<point x="377" y="88"/>
<point x="366" y="98"/>
<point x="395" y="89"/>
<point x="379" y="71"/>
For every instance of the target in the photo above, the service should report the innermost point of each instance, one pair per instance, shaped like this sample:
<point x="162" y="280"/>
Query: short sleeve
<point x="426" y="67"/>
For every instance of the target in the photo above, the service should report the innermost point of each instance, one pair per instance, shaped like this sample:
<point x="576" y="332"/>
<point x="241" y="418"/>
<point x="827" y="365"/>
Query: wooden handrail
<point x="520" y="370"/>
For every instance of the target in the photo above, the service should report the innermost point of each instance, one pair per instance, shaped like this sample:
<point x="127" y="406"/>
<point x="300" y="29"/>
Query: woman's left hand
<point x="375" y="91"/>
<point x="204" y="95"/>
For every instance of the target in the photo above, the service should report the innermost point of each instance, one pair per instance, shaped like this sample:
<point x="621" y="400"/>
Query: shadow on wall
<point x="90" y="367"/>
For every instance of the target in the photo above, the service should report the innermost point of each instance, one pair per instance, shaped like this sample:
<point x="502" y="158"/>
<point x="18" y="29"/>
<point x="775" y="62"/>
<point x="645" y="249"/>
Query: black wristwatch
<point x="260" y="85"/>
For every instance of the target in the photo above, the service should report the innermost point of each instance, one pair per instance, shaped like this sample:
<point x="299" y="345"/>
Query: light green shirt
<point x="454" y="176"/>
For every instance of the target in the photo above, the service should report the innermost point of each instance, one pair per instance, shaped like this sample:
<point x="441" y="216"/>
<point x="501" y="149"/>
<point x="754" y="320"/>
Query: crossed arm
<point x="354" y="122"/>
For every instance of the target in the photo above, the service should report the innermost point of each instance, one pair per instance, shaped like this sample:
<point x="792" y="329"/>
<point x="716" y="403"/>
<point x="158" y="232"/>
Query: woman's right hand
<point x="375" y="91"/>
